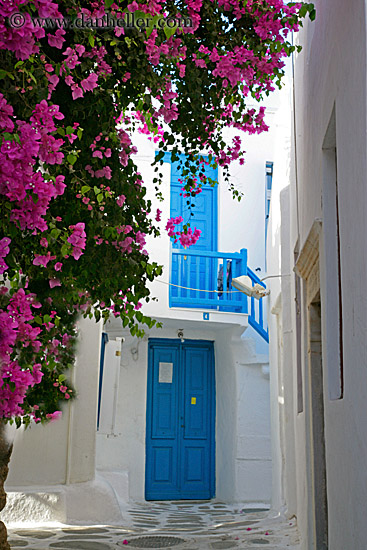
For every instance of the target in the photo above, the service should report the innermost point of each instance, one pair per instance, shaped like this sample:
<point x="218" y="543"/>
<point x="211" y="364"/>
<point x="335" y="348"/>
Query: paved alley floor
<point x="181" y="524"/>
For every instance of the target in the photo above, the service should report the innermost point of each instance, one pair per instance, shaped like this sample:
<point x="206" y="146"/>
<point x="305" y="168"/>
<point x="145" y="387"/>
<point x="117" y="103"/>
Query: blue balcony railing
<point x="197" y="274"/>
<point x="256" y="317"/>
<point x="202" y="279"/>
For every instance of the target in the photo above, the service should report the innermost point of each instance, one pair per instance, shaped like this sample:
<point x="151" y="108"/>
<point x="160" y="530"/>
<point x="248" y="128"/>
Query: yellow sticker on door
<point x="193" y="400"/>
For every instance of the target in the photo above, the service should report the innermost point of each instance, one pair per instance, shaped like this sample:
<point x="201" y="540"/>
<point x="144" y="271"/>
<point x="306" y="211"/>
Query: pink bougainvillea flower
<point x="77" y="92"/>
<point x="6" y="112"/>
<point x="37" y="373"/>
<point x="54" y="282"/>
<point x="60" y="188"/>
<point x="89" y="83"/>
<point x="4" y="251"/>
<point x="56" y="40"/>
<point x="52" y="417"/>
<point x="40" y="259"/>
<point x="120" y="200"/>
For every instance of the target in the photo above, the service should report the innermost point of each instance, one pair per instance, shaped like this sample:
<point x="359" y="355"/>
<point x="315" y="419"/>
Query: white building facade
<point x="149" y="423"/>
<point x="316" y="240"/>
<point x="240" y="452"/>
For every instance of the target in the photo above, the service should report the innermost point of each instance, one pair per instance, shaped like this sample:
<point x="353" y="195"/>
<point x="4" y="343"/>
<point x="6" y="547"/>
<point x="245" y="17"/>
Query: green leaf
<point x="169" y="32"/>
<point x="80" y="133"/>
<point x="61" y="131"/>
<point x="108" y="3"/>
<point x="69" y="130"/>
<point x="8" y="137"/>
<point x="100" y="197"/>
<point x="149" y="30"/>
<point x="91" y="39"/>
<point x="85" y="189"/>
<point x="152" y="25"/>
<point x="71" y="159"/>
<point x="65" y="249"/>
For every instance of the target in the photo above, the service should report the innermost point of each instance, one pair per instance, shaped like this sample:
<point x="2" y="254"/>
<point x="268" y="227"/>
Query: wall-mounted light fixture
<point x="244" y="284"/>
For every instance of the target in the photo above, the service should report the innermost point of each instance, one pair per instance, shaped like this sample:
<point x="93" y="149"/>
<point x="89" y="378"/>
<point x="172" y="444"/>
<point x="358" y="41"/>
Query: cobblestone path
<point x="181" y="524"/>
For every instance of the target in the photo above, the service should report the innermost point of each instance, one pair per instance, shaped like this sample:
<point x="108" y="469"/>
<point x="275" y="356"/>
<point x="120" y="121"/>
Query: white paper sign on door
<point x="165" y="373"/>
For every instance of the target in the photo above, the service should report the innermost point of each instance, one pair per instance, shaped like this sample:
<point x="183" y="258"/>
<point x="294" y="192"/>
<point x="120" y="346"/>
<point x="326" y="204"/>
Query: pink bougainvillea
<point x="76" y="217"/>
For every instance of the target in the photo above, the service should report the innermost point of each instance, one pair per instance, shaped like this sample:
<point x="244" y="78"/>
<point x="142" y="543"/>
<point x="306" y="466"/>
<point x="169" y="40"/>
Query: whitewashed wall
<point x="243" y="468"/>
<point x="243" y="455"/>
<point x="52" y="468"/>
<point x="240" y="224"/>
<point x="330" y="70"/>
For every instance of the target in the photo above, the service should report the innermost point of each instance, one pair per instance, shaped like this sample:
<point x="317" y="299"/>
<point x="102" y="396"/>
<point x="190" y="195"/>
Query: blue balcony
<point x="202" y="279"/>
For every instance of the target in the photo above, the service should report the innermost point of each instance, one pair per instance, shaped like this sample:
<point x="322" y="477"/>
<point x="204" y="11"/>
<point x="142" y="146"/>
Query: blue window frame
<point x="268" y="186"/>
<point x="197" y="272"/>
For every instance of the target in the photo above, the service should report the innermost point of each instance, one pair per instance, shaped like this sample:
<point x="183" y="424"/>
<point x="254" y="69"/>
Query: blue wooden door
<point x="180" y="421"/>
<point x="194" y="272"/>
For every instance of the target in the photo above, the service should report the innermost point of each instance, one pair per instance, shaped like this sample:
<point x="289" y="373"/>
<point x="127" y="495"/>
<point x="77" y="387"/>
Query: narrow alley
<point x="190" y="525"/>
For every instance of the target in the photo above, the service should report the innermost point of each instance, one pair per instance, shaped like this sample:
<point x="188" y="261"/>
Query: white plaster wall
<point x="278" y="317"/>
<point x="240" y="224"/>
<point x="122" y="453"/>
<point x="253" y="449"/>
<point x="336" y="71"/>
<point x="63" y="451"/>
<point x="332" y="68"/>
<point x="45" y="459"/>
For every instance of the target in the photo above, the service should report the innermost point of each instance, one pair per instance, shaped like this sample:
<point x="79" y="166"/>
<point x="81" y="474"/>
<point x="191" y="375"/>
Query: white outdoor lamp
<point x="244" y="284"/>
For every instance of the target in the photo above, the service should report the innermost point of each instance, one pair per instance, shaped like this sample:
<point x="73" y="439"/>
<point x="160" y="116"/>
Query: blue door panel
<point x="180" y="421"/>
<point x="195" y="473"/>
<point x="162" y="471"/>
<point x="197" y="272"/>
<point x="196" y="388"/>
<point x="163" y="465"/>
<point x="164" y="419"/>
